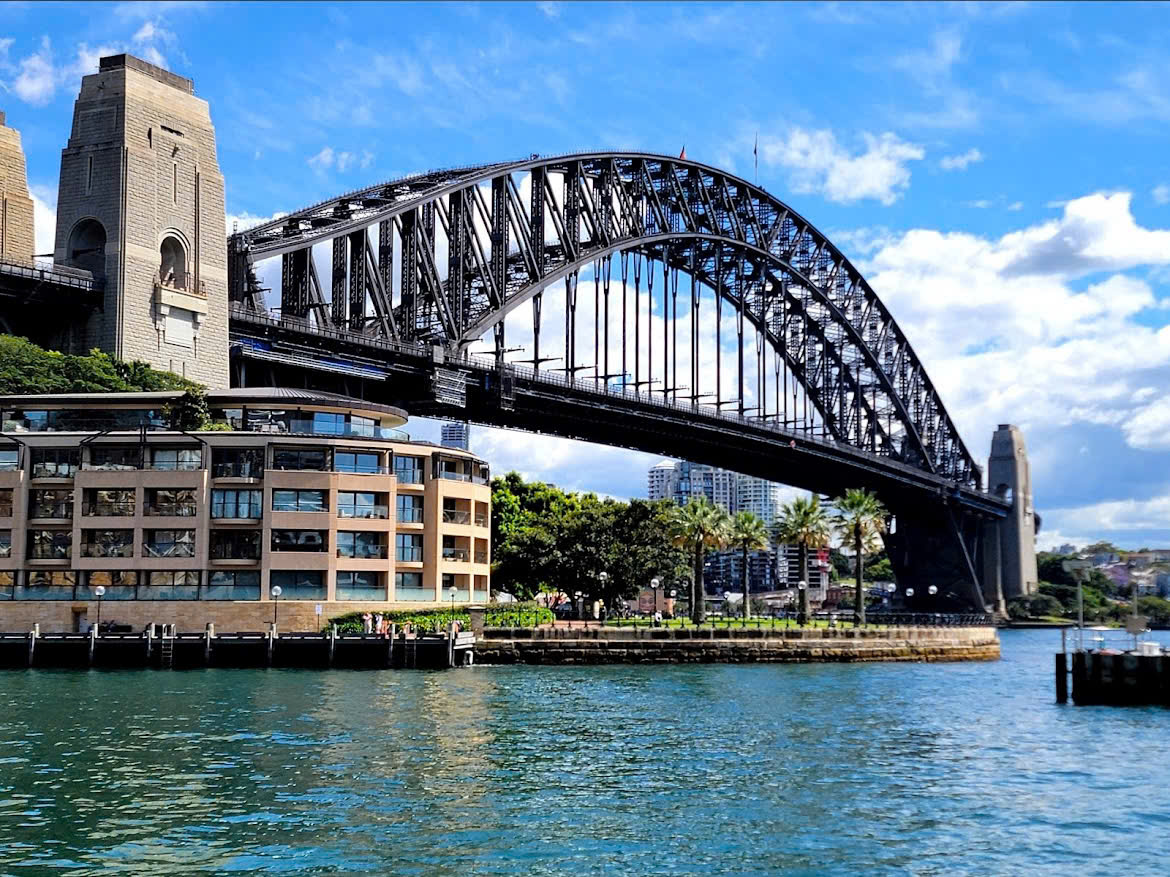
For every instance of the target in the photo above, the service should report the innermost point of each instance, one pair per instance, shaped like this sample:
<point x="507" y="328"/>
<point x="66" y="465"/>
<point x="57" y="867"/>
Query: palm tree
<point x="861" y="517"/>
<point x="803" y="522"/>
<point x="748" y="533"/>
<point x="698" y="527"/>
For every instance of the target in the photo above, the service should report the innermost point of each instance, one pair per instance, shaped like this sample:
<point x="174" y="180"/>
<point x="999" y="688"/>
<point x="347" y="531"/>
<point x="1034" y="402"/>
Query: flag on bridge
<point x="683" y="154"/>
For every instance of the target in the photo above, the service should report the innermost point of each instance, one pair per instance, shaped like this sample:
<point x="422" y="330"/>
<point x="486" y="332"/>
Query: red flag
<point x="683" y="154"/>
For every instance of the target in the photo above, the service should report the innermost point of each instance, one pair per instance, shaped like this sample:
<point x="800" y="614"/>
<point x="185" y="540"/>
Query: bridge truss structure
<point x="681" y="296"/>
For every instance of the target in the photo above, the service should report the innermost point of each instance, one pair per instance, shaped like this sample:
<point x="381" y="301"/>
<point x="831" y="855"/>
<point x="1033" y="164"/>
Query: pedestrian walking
<point x="368" y="622"/>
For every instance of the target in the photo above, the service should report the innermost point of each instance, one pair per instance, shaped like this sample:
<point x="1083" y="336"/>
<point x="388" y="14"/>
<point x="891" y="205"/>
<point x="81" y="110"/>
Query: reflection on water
<point x="965" y="768"/>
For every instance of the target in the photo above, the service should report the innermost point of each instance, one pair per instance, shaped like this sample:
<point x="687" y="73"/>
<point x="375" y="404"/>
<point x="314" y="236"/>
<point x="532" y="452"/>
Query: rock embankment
<point x="608" y="645"/>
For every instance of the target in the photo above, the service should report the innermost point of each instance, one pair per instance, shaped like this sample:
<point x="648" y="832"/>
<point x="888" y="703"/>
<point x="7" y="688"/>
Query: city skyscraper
<point x="456" y="435"/>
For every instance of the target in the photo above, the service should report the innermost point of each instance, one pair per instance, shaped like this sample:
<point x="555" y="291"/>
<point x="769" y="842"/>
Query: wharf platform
<point x="161" y="647"/>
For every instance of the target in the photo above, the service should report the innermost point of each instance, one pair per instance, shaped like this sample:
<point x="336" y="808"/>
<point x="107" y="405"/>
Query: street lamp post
<point x="654" y="583"/>
<point x="577" y="595"/>
<point x="99" y="592"/>
<point x="275" y="592"/>
<point x="453" y="591"/>
<point x="602" y="578"/>
<point x="802" y="593"/>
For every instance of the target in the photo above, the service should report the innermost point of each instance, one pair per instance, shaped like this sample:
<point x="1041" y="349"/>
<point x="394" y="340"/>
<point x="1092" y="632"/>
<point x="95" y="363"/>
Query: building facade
<point x="318" y="494"/>
<point x="16" y="206"/>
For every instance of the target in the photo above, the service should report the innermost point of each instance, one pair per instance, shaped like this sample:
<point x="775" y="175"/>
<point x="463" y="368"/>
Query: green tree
<point x="748" y="533"/>
<point x="803" y="522"/>
<point x="860" y="518"/>
<point x="699" y="527"/>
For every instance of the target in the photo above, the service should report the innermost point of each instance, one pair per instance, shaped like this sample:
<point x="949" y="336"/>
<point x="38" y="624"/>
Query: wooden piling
<point x="32" y="642"/>
<point x="92" y="642"/>
<point x="1061" y="678"/>
<point x="208" y="636"/>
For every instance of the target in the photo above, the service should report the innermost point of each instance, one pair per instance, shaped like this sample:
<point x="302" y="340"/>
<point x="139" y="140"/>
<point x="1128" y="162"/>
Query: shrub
<point x="433" y="620"/>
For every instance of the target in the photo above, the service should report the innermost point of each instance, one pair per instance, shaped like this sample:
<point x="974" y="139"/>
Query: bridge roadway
<point x="268" y="350"/>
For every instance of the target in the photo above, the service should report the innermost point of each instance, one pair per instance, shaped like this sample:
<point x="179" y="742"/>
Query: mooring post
<point x="32" y="642"/>
<point x="332" y="643"/>
<point x="394" y="639"/>
<point x="92" y="642"/>
<point x="149" y="642"/>
<point x="1061" y="678"/>
<point x="450" y="644"/>
<point x="208" y="636"/>
<point x="271" y="640"/>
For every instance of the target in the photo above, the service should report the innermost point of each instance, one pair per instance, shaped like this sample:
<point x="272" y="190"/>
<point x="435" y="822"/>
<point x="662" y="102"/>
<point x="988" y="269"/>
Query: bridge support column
<point x="1010" y="544"/>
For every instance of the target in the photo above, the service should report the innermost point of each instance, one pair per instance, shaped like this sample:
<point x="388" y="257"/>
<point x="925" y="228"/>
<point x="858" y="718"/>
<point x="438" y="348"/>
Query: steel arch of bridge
<point x="775" y="270"/>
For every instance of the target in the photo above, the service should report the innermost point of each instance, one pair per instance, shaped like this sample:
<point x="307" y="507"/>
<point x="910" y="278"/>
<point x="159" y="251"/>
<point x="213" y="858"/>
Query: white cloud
<point x="44" y="200"/>
<point x="245" y="221"/>
<point x="1115" y="515"/>
<point x="818" y="163"/>
<point x="1161" y="194"/>
<point x="961" y="162"/>
<point x="934" y="62"/>
<point x="37" y="81"/>
<point x="323" y="159"/>
<point x="1047" y="354"/>
<point x="550" y="9"/>
<point x="1016" y="206"/>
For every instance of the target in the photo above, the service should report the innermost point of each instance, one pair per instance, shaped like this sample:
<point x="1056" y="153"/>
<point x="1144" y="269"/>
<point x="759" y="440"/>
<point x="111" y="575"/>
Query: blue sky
<point x="999" y="172"/>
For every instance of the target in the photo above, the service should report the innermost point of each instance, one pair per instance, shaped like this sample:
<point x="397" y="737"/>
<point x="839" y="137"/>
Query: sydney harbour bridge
<point x="696" y="316"/>
<point x="635" y="300"/>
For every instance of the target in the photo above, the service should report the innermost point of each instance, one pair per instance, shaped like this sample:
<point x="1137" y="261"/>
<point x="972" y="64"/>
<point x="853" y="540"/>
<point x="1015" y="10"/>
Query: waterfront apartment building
<point x="320" y="495"/>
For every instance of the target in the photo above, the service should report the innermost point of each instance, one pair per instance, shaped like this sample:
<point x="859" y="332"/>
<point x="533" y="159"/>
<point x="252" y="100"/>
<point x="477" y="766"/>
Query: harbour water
<point x="730" y="769"/>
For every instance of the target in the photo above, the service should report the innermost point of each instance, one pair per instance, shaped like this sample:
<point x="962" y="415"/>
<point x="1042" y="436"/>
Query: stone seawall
<point x="557" y="645"/>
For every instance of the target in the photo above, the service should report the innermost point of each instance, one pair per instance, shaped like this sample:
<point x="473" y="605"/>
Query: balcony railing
<point x="54" y="470"/>
<point x="109" y="508"/>
<point x="365" y="552"/>
<point x="454" y="516"/>
<point x="236" y="511"/>
<point x="62" y="511"/>
<point x="365" y="470"/>
<point x="171" y="509"/>
<point x="378" y="511"/>
<point x="235" y="552"/>
<point x="409" y="476"/>
<point x="481" y="557"/>
<point x="408" y="555"/>
<point x="481" y="520"/>
<point x="180" y="281"/>
<point x="237" y="470"/>
<point x="460" y="555"/>
<point x="169" y="549"/>
<point x="50" y="552"/>
<point x="97" y="549"/>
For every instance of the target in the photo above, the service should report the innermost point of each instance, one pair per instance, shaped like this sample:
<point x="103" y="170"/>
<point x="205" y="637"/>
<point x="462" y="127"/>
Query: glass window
<point x="298" y="584"/>
<point x="409" y="586"/>
<point x="237" y="462"/>
<point x="361" y="545"/>
<point x="112" y="503"/>
<point x="44" y="584"/>
<point x="56" y="504"/>
<point x="170" y="543"/>
<point x="240" y="504"/>
<point x="178" y="502"/>
<point x="181" y="459"/>
<point x="300" y="540"/>
<point x="300" y="459"/>
<point x="235" y="544"/>
<point x="452" y="551"/>
<point x="410" y="508"/>
<point x="177" y="585"/>
<point x="454" y="470"/>
<point x="107" y="543"/>
<point x="359" y="586"/>
<point x="232" y="585"/>
<point x="408" y="546"/>
<point x="50" y="544"/>
<point x="6" y="502"/>
<point x="54" y="462"/>
<point x="9" y="459"/>
<point x="119" y="584"/>
<point x="408" y="470"/>
<point x="328" y="424"/>
<point x="7" y="584"/>
<point x="115" y="457"/>
<point x="452" y="514"/>
<point x="299" y="501"/>
<point x="5" y="543"/>
<point x="355" y="504"/>
<point x="362" y="462"/>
